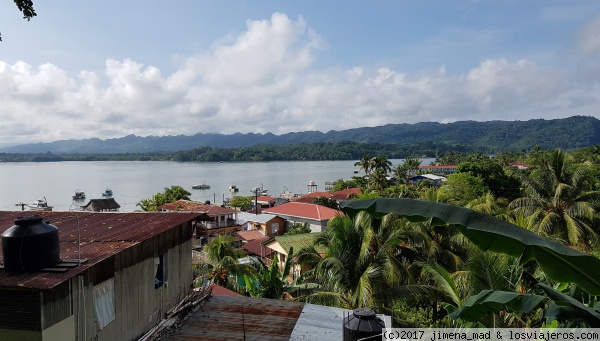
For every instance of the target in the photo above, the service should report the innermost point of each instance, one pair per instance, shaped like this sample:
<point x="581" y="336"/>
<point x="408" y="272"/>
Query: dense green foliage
<point x="393" y="141"/>
<point x="169" y="195"/>
<point x="299" y="152"/>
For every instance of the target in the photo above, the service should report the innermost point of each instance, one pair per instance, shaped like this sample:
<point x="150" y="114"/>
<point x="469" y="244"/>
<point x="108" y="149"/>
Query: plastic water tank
<point x="362" y="324"/>
<point x="30" y="245"/>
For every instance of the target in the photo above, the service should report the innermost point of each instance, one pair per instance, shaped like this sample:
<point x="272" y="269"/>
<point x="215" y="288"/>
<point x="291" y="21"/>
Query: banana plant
<point x="559" y="262"/>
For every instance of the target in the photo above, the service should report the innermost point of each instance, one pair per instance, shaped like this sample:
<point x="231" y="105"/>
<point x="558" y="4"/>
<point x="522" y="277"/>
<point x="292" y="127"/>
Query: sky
<point x="107" y="69"/>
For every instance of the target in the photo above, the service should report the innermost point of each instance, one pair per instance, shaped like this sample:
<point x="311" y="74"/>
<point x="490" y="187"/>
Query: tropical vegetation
<point x="494" y="245"/>
<point x="170" y="194"/>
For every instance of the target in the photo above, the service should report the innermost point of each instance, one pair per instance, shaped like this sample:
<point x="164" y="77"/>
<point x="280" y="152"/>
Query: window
<point x="160" y="271"/>
<point x="104" y="302"/>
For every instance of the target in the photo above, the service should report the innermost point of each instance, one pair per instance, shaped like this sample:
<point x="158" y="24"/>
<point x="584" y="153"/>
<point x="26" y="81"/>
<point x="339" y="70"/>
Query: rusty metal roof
<point x="95" y="235"/>
<point x="194" y="206"/>
<point x="260" y="319"/>
<point x="240" y="318"/>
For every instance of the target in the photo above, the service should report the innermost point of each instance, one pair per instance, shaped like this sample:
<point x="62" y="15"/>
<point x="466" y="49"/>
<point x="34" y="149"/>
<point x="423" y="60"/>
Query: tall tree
<point x="381" y="162"/>
<point x="561" y="201"/>
<point x="171" y="194"/>
<point x="365" y="163"/>
<point x="359" y="261"/>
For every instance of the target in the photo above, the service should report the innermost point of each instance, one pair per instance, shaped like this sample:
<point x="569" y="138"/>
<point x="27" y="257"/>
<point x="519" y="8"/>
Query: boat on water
<point x="79" y="195"/>
<point x="40" y="205"/>
<point x="201" y="186"/>
<point x="233" y="188"/>
<point x="107" y="193"/>
<point x="260" y="190"/>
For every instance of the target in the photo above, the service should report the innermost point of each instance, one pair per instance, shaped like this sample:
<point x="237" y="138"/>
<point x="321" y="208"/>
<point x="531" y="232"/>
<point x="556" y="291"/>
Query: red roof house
<point x="316" y="216"/>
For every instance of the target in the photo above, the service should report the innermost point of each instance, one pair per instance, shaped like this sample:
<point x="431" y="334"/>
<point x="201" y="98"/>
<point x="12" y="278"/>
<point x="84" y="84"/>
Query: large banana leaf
<point x="488" y="301"/>
<point x="558" y="306"/>
<point x="558" y="261"/>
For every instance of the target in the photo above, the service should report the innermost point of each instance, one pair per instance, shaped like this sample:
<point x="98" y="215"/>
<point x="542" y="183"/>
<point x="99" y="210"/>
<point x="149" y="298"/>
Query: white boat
<point x="201" y="186"/>
<point x="40" y="205"/>
<point x="260" y="190"/>
<point x="107" y="193"/>
<point x="234" y="188"/>
<point x="79" y="195"/>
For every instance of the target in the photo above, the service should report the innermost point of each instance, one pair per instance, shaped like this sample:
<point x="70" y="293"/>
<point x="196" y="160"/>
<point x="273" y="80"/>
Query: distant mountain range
<point x="568" y="133"/>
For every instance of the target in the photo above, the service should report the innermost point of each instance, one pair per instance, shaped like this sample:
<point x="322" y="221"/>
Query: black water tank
<point x="361" y="324"/>
<point x="30" y="245"/>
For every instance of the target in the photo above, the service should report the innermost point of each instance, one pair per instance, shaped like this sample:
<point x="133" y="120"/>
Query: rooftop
<point x="254" y="218"/>
<point x="304" y="210"/>
<point x="297" y="241"/>
<point x="250" y="235"/>
<point x="93" y="236"/>
<point x="247" y="318"/>
<point x="310" y="196"/>
<point x="194" y="206"/>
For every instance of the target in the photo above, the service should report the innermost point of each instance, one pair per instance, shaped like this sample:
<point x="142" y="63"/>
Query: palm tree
<point x="381" y="162"/>
<point x="175" y="193"/>
<point x="359" y="261"/>
<point x="378" y="180"/>
<point x="364" y="163"/>
<point x="561" y="202"/>
<point x="223" y="262"/>
<point x="169" y="195"/>
<point x="436" y="244"/>
<point x="489" y="204"/>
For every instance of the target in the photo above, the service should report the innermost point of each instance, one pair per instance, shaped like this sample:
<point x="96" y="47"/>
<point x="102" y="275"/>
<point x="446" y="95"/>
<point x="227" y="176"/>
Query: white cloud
<point x="263" y="80"/>
<point x="589" y="37"/>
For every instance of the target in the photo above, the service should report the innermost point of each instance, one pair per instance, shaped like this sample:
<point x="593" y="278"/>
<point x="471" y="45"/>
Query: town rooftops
<point x="304" y="210"/>
<point x="194" y="206"/>
<point x="92" y="236"/>
<point x="346" y="194"/>
<point x="308" y="198"/>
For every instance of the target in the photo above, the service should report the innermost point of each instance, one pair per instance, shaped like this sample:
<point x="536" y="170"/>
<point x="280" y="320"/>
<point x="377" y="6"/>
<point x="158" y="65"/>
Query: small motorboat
<point x="79" y="195"/>
<point x="40" y="205"/>
<point x="234" y="188"/>
<point x="201" y="186"/>
<point x="107" y="193"/>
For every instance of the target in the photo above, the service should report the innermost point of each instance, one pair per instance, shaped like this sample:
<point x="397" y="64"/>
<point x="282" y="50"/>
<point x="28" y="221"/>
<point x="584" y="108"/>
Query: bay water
<point x="132" y="181"/>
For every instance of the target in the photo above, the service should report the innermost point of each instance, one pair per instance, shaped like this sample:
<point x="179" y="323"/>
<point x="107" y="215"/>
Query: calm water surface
<point x="132" y="181"/>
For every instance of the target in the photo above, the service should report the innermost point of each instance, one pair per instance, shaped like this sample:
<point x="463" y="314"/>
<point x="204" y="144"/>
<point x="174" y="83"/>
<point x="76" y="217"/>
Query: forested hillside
<point x="568" y="133"/>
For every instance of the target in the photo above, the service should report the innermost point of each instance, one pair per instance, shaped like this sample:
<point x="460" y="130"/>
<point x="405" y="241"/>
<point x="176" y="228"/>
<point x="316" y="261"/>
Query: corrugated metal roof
<point x="194" y="206"/>
<point x="254" y="218"/>
<point x="255" y="247"/>
<point x="240" y="318"/>
<point x="260" y="319"/>
<point x="95" y="235"/>
<point x="251" y="235"/>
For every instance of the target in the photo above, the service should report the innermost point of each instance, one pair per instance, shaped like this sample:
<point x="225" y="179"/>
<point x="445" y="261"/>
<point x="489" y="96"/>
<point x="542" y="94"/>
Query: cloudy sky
<point x="106" y="69"/>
